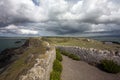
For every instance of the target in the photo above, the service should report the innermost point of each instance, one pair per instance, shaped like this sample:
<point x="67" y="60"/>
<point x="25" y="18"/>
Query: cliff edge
<point x="32" y="61"/>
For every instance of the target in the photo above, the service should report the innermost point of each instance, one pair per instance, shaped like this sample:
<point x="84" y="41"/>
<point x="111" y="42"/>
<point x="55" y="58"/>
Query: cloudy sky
<point x="59" y="17"/>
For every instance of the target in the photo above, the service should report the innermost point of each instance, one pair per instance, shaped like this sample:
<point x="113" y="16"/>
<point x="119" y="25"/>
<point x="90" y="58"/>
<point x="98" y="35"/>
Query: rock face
<point x="43" y="65"/>
<point x="42" y="68"/>
<point x="92" y="55"/>
<point x="32" y="61"/>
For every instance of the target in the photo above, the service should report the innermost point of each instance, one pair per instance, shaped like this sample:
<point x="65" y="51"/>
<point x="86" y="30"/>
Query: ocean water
<point x="11" y="43"/>
<point x="108" y="38"/>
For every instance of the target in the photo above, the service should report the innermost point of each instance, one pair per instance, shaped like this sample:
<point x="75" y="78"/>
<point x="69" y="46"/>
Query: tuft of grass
<point x="74" y="57"/>
<point x="58" y="55"/>
<point x="109" y="66"/>
<point x="54" y="75"/>
<point x="70" y="55"/>
<point x="57" y="67"/>
<point x="65" y="53"/>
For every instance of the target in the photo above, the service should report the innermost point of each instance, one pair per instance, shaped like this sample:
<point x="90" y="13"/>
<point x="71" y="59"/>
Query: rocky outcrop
<point x="92" y="55"/>
<point x="32" y="61"/>
<point x="42" y="68"/>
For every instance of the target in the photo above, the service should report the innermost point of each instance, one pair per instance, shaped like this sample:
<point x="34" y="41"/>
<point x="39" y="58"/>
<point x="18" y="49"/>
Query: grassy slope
<point x="24" y="62"/>
<point x="82" y="42"/>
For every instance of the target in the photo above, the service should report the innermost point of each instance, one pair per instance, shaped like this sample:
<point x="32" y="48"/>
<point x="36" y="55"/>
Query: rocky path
<point x="78" y="70"/>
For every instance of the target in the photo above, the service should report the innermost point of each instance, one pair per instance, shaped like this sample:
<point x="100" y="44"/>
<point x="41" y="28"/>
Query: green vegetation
<point x="58" y="55"/>
<point x="54" y="75"/>
<point x="81" y="42"/>
<point x="57" y="67"/>
<point x="74" y="57"/>
<point x="70" y="55"/>
<point x="109" y="66"/>
<point x="64" y="52"/>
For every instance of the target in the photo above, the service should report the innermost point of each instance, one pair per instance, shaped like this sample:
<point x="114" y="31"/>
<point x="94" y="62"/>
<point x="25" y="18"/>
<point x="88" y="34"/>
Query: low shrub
<point x="74" y="57"/>
<point x="65" y="53"/>
<point x="58" y="55"/>
<point x="109" y="66"/>
<point x="54" y="75"/>
<point x="62" y="52"/>
<point x="70" y="55"/>
<point x="57" y="66"/>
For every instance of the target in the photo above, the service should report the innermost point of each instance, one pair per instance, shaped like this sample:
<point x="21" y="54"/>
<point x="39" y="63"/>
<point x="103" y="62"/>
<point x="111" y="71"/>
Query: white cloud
<point x="20" y="10"/>
<point x="79" y="15"/>
<point x="17" y="30"/>
<point x="25" y="31"/>
<point x="84" y="10"/>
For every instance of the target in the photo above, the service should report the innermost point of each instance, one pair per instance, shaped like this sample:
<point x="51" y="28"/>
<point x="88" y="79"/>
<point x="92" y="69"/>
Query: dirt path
<point x="78" y="70"/>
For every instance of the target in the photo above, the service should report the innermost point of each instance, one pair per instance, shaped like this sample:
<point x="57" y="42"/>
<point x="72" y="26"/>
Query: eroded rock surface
<point x="42" y="68"/>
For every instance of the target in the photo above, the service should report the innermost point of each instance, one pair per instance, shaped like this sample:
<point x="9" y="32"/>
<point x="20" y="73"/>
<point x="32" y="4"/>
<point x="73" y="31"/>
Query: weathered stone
<point x="92" y="55"/>
<point x="41" y="69"/>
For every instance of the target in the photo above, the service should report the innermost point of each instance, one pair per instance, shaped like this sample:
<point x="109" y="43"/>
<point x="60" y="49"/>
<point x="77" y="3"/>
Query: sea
<point x="107" y="38"/>
<point x="19" y="41"/>
<point x="6" y="43"/>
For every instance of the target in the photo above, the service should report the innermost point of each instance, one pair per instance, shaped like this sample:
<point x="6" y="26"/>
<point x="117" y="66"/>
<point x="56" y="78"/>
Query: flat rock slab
<point x="79" y="70"/>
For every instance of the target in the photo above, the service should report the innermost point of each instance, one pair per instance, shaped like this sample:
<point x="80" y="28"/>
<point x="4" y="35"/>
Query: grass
<point x="64" y="53"/>
<point x="109" y="66"/>
<point x="81" y="42"/>
<point x="54" y="75"/>
<point x="70" y="55"/>
<point x="57" y="67"/>
<point x="74" y="57"/>
<point x="58" y="55"/>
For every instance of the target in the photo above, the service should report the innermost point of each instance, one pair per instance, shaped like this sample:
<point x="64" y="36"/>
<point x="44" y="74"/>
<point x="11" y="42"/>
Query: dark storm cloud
<point x="63" y="30"/>
<point x="66" y="27"/>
